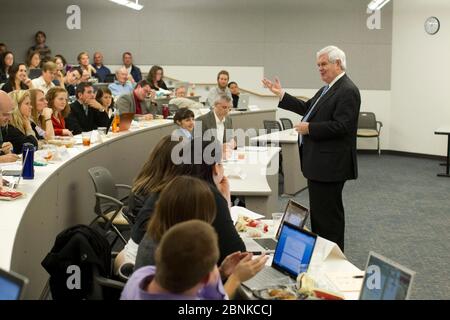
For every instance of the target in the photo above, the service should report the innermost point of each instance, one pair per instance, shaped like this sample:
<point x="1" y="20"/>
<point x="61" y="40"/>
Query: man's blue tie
<point x="306" y="117"/>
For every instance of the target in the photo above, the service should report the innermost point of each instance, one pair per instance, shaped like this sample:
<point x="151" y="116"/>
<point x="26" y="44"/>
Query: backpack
<point x="78" y="255"/>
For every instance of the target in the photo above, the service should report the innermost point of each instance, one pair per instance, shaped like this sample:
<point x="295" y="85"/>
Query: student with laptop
<point x="137" y="102"/>
<point x="235" y="92"/>
<point x="292" y="256"/>
<point x="222" y="89"/>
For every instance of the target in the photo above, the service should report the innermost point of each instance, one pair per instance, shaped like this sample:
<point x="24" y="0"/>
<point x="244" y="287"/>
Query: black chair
<point x="287" y="123"/>
<point x="272" y="126"/>
<point x="108" y="206"/>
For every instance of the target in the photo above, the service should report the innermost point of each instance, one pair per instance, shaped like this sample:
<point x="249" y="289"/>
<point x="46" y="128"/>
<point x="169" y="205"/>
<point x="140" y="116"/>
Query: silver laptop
<point x="385" y="280"/>
<point x="12" y="285"/>
<point x="292" y="256"/>
<point x="295" y="214"/>
<point x="243" y="102"/>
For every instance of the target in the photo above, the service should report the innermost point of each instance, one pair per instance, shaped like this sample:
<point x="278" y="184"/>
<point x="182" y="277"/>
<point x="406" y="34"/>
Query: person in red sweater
<point x="58" y="102"/>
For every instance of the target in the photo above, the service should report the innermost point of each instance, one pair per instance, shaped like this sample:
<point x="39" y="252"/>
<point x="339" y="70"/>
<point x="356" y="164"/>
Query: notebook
<point x="292" y="256"/>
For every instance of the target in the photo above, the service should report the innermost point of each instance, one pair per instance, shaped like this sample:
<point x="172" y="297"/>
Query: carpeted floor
<point x="399" y="208"/>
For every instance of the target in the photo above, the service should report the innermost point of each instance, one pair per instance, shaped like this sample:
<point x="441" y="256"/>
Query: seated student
<point x="155" y="78"/>
<point x="136" y="101"/>
<point x="19" y="130"/>
<point x="185" y="267"/>
<point x="6" y="62"/>
<point x="181" y="101"/>
<point x="86" y="114"/>
<point x="71" y="80"/>
<point x="3" y="48"/>
<point x="187" y="198"/>
<point x="45" y="81"/>
<point x="132" y="70"/>
<point x="121" y="85"/>
<point x="184" y="118"/>
<point x="18" y="79"/>
<point x="41" y="115"/>
<point x="218" y="123"/>
<point x="83" y="61"/>
<point x="61" y="64"/>
<point x="101" y="71"/>
<point x="58" y="101"/>
<point x="40" y="45"/>
<point x="104" y="97"/>
<point x="33" y="60"/>
<point x="221" y="89"/>
<point x="6" y="148"/>
<point x="235" y="92"/>
<point x="156" y="173"/>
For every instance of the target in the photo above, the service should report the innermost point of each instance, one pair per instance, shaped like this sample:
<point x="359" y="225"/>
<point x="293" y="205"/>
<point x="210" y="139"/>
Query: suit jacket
<point x="328" y="153"/>
<point x="17" y="138"/>
<point x="126" y="104"/>
<point x="209" y="122"/>
<point x="77" y="121"/>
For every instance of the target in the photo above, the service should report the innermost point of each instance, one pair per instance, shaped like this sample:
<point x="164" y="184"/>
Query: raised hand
<point x="274" y="86"/>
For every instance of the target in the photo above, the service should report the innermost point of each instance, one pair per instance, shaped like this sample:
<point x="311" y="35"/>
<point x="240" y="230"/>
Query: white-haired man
<point x="123" y="84"/>
<point x="327" y="141"/>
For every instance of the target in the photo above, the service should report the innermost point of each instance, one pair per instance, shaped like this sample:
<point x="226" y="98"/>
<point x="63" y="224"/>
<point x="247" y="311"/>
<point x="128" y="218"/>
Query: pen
<point x="358" y="277"/>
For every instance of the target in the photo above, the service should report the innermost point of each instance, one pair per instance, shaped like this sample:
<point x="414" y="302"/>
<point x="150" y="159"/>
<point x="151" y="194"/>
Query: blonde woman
<point x="41" y="115"/>
<point x="19" y="129"/>
<point x="58" y="101"/>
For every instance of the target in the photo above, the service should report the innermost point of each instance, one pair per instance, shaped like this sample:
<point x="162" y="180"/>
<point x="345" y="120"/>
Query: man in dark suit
<point x="217" y="123"/>
<point x="86" y="114"/>
<point x="133" y="70"/>
<point x="327" y="141"/>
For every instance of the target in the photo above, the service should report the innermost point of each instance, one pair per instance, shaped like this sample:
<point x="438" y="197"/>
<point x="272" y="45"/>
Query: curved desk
<point x="62" y="195"/>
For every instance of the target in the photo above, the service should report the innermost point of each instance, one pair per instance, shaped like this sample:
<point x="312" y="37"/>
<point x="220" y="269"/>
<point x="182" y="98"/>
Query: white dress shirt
<point x="220" y="125"/>
<point x="39" y="83"/>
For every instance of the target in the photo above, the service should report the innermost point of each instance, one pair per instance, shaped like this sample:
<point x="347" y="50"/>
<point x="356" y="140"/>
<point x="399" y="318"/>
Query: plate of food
<point x="68" y="142"/>
<point x="9" y="194"/>
<point x="278" y="293"/>
<point x="254" y="227"/>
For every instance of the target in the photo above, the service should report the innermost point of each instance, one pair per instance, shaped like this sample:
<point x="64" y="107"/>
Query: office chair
<point x="287" y="123"/>
<point x="369" y="127"/>
<point x="108" y="206"/>
<point x="272" y="126"/>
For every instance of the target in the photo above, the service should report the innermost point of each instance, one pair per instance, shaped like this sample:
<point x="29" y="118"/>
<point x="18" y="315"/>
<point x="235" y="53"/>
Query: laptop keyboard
<point x="268" y="277"/>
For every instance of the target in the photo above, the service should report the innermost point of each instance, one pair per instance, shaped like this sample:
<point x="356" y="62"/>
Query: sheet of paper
<point x="345" y="282"/>
<point x="236" y="211"/>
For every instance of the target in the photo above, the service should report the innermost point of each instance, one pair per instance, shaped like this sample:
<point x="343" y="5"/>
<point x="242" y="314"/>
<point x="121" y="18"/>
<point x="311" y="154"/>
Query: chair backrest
<point x="271" y="126"/>
<point x="287" y="123"/>
<point x="367" y="120"/>
<point x="103" y="181"/>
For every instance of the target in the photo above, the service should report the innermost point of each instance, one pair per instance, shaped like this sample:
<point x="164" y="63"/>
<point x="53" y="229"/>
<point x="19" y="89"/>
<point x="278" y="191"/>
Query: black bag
<point x="82" y="247"/>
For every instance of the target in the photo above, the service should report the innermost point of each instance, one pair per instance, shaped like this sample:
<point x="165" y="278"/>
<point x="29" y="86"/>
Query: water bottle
<point x="28" y="161"/>
<point x="165" y="111"/>
<point x="116" y="122"/>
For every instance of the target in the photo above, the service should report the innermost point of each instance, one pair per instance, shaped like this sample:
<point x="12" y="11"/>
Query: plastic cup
<point x="101" y="131"/>
<point x="86" y="138"/>
<point x="276" y="218"/>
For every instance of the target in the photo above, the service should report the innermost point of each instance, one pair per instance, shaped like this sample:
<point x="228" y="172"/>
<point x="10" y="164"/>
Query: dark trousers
<point x="327" y="210"/>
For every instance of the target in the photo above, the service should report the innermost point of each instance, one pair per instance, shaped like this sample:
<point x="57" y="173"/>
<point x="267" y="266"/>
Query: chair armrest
<point x="123" y="186"/>
<point x="380" y="124"/>
<point x="108" y="198"/>
<point x="110" y="283"/>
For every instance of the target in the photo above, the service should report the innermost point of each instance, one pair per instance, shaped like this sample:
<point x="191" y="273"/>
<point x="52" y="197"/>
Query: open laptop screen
<point x="294" y="250"/>
<point x="295" y="214"/>
<point x="385" y="280"/>
<point x="11" y="285"/>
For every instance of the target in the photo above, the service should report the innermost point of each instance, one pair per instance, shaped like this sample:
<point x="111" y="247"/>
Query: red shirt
<point x="138" y="104"/>
<point x="59" y="126"/>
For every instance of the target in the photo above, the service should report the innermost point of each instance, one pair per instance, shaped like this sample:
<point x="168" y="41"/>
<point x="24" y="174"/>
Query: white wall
<point x="420" y="77"/>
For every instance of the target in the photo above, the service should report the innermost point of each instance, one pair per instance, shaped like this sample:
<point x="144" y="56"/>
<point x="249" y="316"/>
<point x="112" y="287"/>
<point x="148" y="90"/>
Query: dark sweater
<point x="17" y="138"/>
<point x="229" y="239"/>
<point x="77" y="121"/>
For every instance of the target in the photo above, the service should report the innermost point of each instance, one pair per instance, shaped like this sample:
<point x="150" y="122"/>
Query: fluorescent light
<point x="128" y="3"/>
<point x="377" y="4"/>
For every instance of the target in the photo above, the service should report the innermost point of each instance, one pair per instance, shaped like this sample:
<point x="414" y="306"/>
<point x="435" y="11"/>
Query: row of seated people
<point x="126" y="76"/>
<point x="165" y="194"/>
